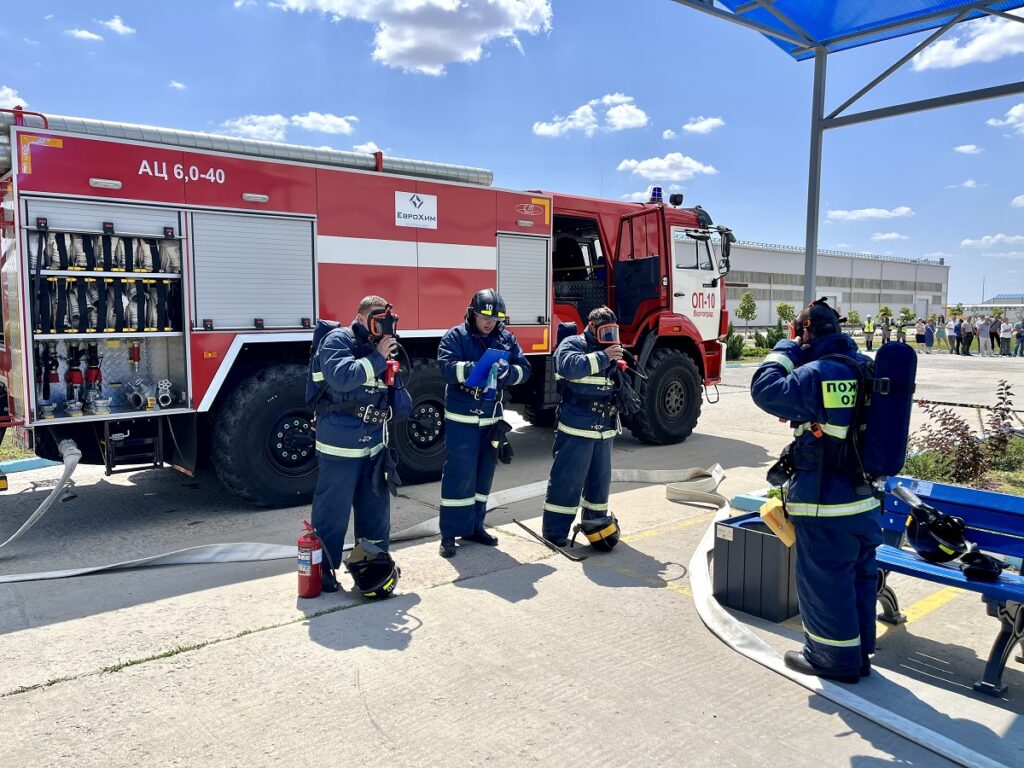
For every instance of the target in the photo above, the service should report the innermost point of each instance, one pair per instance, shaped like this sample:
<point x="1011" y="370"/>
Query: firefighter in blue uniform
<point x="470" y="415"/>
<point x="346" y="381"/>
<point x="813" y="381"/>
<point x="587" y="425"/>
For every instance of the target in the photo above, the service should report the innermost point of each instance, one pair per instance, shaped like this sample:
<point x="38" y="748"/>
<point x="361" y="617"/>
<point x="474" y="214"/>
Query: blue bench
<point x="995" y="522"/>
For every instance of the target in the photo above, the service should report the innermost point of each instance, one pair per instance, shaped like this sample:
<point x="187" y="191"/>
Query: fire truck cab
<point x="159" y="288"/>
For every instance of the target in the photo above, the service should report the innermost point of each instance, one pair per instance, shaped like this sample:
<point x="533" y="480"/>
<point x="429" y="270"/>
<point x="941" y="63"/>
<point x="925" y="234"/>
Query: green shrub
<point x="756" y="352"/>
<point x="733" y="345"/>
<point x="776" y="334"/>
<point x="760" y="340"/>
<point x="928" y="465"/>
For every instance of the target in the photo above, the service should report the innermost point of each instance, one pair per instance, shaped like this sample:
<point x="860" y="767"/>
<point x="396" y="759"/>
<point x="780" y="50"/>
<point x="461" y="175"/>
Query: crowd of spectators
<point x="984" y="336"/>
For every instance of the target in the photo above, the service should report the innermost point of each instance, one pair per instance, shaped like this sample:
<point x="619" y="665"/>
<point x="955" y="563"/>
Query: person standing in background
<point x="869" y="333"/>
<point x="984" y="338"/>
<point x="929" y="337"/>
<point x="1005" y="332"/>
<point x="967" y="332"/>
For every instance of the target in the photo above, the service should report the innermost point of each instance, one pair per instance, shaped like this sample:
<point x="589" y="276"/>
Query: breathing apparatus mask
<point x="382" y="322"/>
<point x="607" y="334"/>
<point x="818" y="318"/>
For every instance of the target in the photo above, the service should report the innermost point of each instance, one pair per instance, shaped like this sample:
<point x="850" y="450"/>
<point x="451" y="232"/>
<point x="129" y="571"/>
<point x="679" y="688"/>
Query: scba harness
<point x="874" y="443"/>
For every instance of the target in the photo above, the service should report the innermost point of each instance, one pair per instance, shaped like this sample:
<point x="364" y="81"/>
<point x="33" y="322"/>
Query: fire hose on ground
<point x="693" y="486"/>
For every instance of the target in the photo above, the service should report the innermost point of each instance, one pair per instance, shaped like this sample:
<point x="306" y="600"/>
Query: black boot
<point x="558" y="541"/>
<point x="795" y="660"/>
<point x="328" y="582"/>
<point x="447" y="548"/>
<point x="480" y="536"/>
<point x="865" y="667"/>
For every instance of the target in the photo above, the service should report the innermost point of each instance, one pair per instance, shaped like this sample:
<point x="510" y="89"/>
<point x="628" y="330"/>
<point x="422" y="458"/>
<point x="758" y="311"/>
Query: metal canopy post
<point x="814" y="174"/>
<point x="945" y="19"/>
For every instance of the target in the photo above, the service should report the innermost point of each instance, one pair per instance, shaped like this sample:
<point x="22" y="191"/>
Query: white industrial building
<point x="860" y="281"/>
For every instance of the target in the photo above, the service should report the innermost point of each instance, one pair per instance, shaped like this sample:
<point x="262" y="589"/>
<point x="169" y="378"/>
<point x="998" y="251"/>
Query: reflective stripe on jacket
<point x="823" y="392"/>
<point x="459" y="351"/>
<point x="582" y="369"/>
<point x="348" y="367"/>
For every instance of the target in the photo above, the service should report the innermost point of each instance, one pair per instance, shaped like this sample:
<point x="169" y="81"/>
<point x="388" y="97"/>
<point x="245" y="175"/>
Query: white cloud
<point x="82" y="34"/>
<point x="938" y="255"/>
<point x="863" y="214"/>
<point x="621" y="117"/>
<point x="241" y="3"/>
<point x="47" y="17"/>
<point x="1004" y="255"/>
<point x="178" y="86"/>
<point x="325" y="123"/>
<point x="841" y="245"/>
<point x="9" y="98"/>
<point x="1018" y="201"/>
<point x="703" y="124"/>
<point x="668" y="133"/>
<point x="117" y="25"/>
<point x="580" y="119"/>
<point x="990" y="240"/>
<point x="968" y="149"/>
<point x="425" y="36"/>
<point x="984" y="40"/>
<point x="674" y="166"/>
<point x="882" y="236"/>
<point x="969" y="184"/>
<point x="369" y="147"/>
<point x="637" y="197"/>
<point x="675" y="187"/>
<point x="1014" y="118"/>
<point x="620" y="114"/>
<point x="263" y="127"/>
<point x="30" y="41"/>
<point x="275" y="127"/>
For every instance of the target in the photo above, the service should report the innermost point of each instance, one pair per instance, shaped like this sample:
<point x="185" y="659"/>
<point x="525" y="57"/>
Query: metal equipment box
<point x="754" y="572"/>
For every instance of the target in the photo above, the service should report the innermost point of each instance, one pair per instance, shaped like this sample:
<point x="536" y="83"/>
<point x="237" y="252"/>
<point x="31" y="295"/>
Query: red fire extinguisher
<point x="392" y="370"/>
<point x="310" y="562"/>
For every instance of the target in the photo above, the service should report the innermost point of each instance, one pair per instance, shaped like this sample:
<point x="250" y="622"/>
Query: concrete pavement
<point x="499" y="657"/>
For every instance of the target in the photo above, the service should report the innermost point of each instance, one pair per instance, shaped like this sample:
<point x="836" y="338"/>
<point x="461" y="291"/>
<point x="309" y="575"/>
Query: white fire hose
<point x="687" y="486"/>
<point x="71" y="455"/>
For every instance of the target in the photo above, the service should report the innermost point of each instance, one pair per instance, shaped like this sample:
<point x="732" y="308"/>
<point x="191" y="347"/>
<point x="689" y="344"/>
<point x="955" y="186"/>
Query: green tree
<point x="785" y="312"/>
<point x="853" y="317"/>
<point x="955" y="311"/>
<point x="884" y="311"/>
<point x="747" y="310"/>
<point x="906" y="314"/>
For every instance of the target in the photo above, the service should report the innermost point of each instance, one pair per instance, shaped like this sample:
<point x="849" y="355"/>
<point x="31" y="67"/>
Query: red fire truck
<point x="159" y="289"/>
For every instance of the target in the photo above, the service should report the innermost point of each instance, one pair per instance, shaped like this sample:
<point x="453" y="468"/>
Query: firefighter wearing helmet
<point x="812" y="380"/>
<point x="586" y="366"/>
<point x="346" y="389"/>
<point x="479" y="359"/>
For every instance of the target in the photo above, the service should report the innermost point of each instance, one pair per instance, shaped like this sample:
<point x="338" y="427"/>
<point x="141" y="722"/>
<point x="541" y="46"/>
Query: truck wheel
<point x="263" y="445"/>
<point x="420" y="440"/>
<point x="671" y="397"/>
<point x="541" y="417"/>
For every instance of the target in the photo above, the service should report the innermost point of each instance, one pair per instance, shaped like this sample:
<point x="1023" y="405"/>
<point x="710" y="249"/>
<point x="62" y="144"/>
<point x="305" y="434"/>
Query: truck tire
<point x="263" y="444"/>
<point x="420" y="440"/>
<point x="671" y="399"/>
<point x="541" y="417"/>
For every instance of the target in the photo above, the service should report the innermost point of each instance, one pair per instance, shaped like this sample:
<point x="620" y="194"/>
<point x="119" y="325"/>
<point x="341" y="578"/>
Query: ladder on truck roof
<point x="272" y="150"/>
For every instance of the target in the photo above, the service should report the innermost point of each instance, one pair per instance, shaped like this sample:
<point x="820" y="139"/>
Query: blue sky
<point x="596" y="97"/>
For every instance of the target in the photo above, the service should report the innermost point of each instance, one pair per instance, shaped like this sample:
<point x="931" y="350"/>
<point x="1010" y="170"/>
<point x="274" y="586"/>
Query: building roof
<point x="1007" y="298"/>
<point x="843" y="254"/>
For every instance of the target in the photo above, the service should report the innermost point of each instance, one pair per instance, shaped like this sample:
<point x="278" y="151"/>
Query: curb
<point x="24" y="465"/>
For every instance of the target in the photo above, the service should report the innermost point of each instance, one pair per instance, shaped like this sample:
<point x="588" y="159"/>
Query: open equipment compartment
<point x="107" y="308"/>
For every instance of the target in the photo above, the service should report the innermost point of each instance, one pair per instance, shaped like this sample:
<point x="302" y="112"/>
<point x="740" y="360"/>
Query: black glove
<point x="626" y="397"/>
<point x="498" y="436"/>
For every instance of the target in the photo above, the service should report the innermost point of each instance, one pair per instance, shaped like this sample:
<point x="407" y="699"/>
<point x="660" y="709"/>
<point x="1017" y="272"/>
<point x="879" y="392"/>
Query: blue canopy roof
<point x="843" y="24"/>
